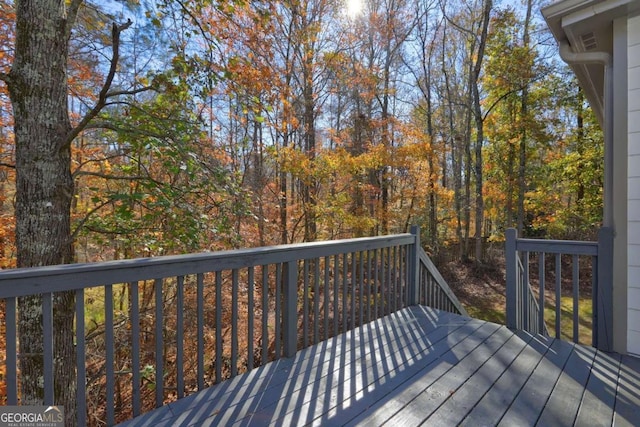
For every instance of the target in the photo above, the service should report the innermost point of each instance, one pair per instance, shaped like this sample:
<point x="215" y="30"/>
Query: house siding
<point x="633" y="171"/>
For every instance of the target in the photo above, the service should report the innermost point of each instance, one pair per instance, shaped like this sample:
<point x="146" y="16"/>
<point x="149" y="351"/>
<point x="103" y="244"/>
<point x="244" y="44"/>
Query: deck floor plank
<point x="422" y="366"/>
<point x="390" y="340"/>
<point x="563" y="403"/>
<point x="596" y="408"/>
<point x="434" y="388"/>
<point x="406" y="388"/>
<point x="458" y="406"/>
<point x="497" y="400"/>
<point x="285" y="382"/>
<point x="344" y="390"/>
<point x="531" y="399"/>
<point x="627" y="408"/>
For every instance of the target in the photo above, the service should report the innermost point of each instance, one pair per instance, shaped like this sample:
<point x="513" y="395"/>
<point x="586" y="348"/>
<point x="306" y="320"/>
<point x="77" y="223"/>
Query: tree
<point x="38" y="89"/>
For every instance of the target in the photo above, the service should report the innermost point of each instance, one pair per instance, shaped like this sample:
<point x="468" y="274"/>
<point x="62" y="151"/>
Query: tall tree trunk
<point x="580" y="145"/>
<point x="309" y="185"/>
<point x="486" y="14"/>
<point x="524" y="111"/>
<point x="37" y="85"/>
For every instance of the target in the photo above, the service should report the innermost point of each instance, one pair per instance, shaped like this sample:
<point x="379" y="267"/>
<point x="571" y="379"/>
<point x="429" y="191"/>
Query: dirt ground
<point x="481" y="289"/>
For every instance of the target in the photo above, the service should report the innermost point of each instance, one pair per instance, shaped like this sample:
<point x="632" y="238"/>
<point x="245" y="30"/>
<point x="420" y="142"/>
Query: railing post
<point x="510" y="255"/>
<point x="414" y="268"/>
<point x="290" y="317"/>
<point x="603" y="307"/>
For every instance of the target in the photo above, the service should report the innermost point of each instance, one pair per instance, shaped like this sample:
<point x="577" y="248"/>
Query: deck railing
<point x="152" y="330"/>
<point x="526" y="310"/>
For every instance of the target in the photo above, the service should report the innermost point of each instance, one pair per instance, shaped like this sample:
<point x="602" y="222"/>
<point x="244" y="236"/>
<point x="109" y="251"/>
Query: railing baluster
<point x="305" y="302"/>
<point x="265" y="315"/>
<point x="345" y="297"/>
<point x="11" y="364"/>
<point x="376" y="284"/>
<point x="526" y="316"/>
<point x="327" y="287"/>
<point x="402" y="279"/>
<point x="576" y="299"/>
<point x="109" y="348"/>
<point x="290" y="321"/>
<point x="394" y="280"/>
<point x="368" y="285"/>
<point x="353" y="290"/>
<point x="180" y="336"/>
<point x="278" y="310"/>
<point x="429" y="281"/>
<point x="336" y="293"/>
<point x="134" y="318"/>
<point x="407" y="286"/>
<point x="511" y="267"/>
<point x="250" y="320"/>
<point x="47" y="329"/>
<point x="558" y="293"/>
<point x="361" y="287"/>
<point x="234" y="322"/>
<point x="408" y="277"/>
<point x="218" y="363"/>
<point x="81" y="368"/>
<point x="541" y="296"/>
<point x="200" y="327"/>
<point x="387" y="280"/>
<point x="158" y="284"/>
<point x="419" y="285"/>
<point x="316" y="300"/>
<point x="595" y="318"/>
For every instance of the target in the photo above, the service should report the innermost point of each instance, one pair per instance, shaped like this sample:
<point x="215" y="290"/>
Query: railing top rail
<point x="572" y="247"/>
<point x="36" y="280"/>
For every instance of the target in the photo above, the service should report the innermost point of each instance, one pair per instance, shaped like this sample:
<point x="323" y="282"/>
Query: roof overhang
<point x="587" y="25"/>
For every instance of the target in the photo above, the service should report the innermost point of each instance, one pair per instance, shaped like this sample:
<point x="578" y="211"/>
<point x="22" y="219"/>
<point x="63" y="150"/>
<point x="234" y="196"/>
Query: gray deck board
<point x="453" y="410"/>
<point x="346" y="402"/>
<point x="627" y="406"/>
<point x="406" y="389"/>
<point x="563" y="403"/>
<point x="497" y="399"/>
<point x="600" y="394"/>
<point x="349" y="382"/>
<point x="531" y="399"/>
<point x="430" y="390"/>
<point x="422" y="366"/>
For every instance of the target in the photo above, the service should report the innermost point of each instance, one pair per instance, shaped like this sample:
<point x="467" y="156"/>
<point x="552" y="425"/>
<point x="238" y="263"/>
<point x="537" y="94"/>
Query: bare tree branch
<point x="102" y="97"/>
<point x="112" y="177"/>
<point x="128" y="92"/>
<point x="83" y="221"/>
<point x="72" y="14"/>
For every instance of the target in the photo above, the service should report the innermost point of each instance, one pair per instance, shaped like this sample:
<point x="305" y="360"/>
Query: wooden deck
<point x="423" y="366"/>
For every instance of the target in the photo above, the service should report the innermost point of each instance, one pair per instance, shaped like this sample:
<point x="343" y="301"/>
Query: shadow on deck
<point x="423" y="366"/>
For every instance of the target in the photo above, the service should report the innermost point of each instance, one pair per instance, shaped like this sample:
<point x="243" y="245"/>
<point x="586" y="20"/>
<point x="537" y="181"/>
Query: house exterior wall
<point x="620" y="288"/>
<point x="633" y="185"/>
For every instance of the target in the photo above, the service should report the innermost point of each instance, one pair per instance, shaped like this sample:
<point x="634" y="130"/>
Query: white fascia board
<point x="592" y="10"/>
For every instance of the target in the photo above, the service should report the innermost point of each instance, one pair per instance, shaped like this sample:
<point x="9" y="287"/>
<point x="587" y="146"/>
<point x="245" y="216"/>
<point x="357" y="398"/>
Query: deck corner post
<point x="603" y="307"/>
<point x="414" y="268"/>
<point x="511" y="279"/>
<point x="290" y="311"/>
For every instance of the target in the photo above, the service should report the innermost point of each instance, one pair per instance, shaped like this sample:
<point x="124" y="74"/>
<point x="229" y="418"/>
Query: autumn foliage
<point x="243" y="124"/>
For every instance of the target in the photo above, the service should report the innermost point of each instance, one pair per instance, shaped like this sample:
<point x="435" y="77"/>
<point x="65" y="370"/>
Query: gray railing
<point x="526" y="310"/>
<point x="153" y="330"/>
